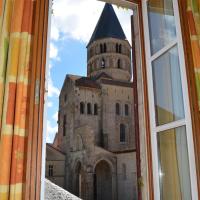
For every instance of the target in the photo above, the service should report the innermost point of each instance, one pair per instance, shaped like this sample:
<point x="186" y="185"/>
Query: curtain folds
<point x="193" y="10"/>
<point x="16" y="17"/>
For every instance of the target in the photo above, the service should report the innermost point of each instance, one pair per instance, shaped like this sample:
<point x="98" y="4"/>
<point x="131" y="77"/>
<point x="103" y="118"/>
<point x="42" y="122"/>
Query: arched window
<point x="103" y="64"/>
<point x="89" y="109"/>
<point x="122" y="133"/>
<point x="95" y="109"/>
<point x="101" y="48"/>
<point x="104" y="47"/>
<point x="117" y="48"/>
<point x="91" y="69"/>
<point x="65" y="98"/>
<point x="117" y="109"/>
<point x="120" y="48"/>
<point x="124" y="171"/>
<point x="119" y="64"/>
<point x="82" y="108"/>
<point x="126" y="110"/>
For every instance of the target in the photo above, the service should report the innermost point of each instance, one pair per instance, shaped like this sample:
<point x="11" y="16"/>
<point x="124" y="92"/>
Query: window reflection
<point x="167" y="88"/>
<point x="174" y="174"/>
<point x="161" y="23"/>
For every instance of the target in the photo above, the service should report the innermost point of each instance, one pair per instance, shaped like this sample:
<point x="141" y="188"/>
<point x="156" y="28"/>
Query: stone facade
<point x="96" y="120"/>
<point x="55" y="165"/>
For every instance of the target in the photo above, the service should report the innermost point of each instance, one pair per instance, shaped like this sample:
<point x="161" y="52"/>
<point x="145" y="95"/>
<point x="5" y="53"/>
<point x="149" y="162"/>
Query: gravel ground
<point x="54" y="192"/>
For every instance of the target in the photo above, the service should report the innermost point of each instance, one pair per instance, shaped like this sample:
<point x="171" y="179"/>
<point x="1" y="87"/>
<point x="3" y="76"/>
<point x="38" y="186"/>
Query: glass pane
<point x="167" y="88"/>
<point x="161" y="23"/>
<point x="174" y="173"/>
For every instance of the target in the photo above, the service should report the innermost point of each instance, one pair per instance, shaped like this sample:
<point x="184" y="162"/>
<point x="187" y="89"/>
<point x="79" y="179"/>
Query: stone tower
<point x="108" y="50"/>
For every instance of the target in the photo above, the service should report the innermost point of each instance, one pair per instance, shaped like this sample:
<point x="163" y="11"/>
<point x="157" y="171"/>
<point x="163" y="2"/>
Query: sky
<point x="72" y="25"/>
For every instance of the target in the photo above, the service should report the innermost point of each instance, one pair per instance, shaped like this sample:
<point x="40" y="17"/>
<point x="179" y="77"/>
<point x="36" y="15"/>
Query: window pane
<point x="122" y="133"/>
<point x="174" y="173"/>
<point x="161" y="23"/>
<point x="167" y="88"/>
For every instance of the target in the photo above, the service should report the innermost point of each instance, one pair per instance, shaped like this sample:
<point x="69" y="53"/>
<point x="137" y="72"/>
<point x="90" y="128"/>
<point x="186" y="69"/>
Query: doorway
<point x="103" y="181"/>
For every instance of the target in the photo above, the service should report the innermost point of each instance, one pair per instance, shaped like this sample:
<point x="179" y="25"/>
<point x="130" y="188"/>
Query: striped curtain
<point x="193" y="10"/>
<point x="15" y="49"/>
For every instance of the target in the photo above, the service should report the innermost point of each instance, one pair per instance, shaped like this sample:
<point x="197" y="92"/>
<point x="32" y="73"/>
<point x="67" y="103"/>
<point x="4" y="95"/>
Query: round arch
<point x="103" y="184"/>
<point x="78" y="178"/>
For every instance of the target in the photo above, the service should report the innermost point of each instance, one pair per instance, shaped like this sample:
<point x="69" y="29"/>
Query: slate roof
<point x="117" y="83"/>
<point x="108" y="25"/>
<point x="102" y="75"/>
<point x="87" y="82"/>
<point x="53" y="147"/>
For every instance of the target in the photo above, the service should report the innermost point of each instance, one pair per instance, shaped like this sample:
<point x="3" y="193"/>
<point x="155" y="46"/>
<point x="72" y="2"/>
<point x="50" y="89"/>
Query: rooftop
<point x="108" y="26"/>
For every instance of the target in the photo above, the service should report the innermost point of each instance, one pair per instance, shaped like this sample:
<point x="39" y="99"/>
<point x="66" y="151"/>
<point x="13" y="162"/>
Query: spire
<point x="108" y="25"/>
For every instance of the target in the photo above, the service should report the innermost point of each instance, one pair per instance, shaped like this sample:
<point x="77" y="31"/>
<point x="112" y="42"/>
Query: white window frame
<point x="184" y="122"/>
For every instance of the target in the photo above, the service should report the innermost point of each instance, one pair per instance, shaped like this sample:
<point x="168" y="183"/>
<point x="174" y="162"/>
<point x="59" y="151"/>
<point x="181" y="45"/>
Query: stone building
<point x="55" y="165"/>
<point x="96" y="122"/>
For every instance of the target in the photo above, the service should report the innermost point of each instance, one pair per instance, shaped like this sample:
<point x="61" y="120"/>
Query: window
<point x="126" y="110"/>
<point x="123" y="171"/>
<point x="95" y="109"/>
<point x="117" y="48"/>
<point x="82" y="108"/>
<point x="89" y="109"/>
<point x="65" y="98"/>
<point x="101" y="48"/>
<point x="104" y="48"/>
<point x="122" y="133"/>
<point x="120" y="48"/>
<point x="50" y="170"/>
<point x="103" y="63"/>
<point x="117" y="109"/>
<point x="119" y="64"/>
<point x="171" y="131"/>
<point x="64" y="125"/>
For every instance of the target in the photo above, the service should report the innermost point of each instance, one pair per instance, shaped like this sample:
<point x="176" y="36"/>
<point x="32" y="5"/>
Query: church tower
<point x="108" y="50"/>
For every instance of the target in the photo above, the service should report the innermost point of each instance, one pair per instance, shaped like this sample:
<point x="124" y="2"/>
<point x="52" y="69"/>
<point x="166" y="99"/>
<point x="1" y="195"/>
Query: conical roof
<point x="108" y="25"/>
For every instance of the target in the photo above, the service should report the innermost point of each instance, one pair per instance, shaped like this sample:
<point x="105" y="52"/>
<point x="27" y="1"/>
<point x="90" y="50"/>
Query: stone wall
<point x="111" y="95"/>
<point x="127" y="177"/>
<point x="56" y="160"/>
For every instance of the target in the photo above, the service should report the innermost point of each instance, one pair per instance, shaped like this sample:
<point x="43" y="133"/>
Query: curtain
<point x="193" y="10"/>
<point x="15" y="50"/>
<point x="174" y="164"/>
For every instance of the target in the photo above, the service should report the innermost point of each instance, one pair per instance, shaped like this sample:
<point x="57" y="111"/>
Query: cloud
<point x="53" y="51"/>
<point x="53" y="91"/>
<point x="77" y="19"/>
<point x="49" y="104"/>
<point x="55" y="116"/>
<point x="54" y="31"/>
<point x="51" y="131"/>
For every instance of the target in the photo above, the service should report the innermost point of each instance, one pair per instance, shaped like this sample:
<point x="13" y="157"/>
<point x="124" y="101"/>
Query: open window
<point x="102" y="83"/>
<point x="164" y="125"/>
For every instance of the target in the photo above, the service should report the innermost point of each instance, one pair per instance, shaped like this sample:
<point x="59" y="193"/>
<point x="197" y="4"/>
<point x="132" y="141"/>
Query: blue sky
<point x="73" y="22"/>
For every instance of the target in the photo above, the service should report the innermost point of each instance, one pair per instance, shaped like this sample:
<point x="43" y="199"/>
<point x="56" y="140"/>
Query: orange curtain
<point x="16" y="25"/>
<point x="193" y="10"/>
